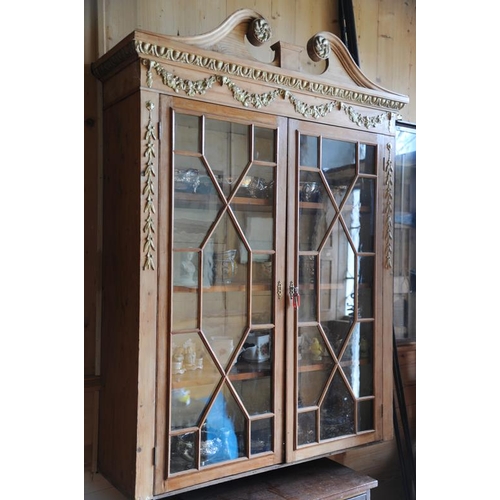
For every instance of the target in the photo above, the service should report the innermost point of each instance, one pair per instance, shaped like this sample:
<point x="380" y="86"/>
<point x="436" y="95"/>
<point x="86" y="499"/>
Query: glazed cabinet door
<point x="335" y="289"/>
<point x="222" y="210"/>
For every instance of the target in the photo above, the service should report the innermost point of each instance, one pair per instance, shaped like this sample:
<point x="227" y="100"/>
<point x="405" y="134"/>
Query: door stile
<point x="164" y="294"/>
<point x="291" y="277"/>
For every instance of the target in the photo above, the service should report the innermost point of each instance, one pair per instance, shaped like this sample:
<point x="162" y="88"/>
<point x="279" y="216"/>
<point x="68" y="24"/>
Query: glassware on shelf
<point x="186" y="181"/>
<point x="225" y="266"/>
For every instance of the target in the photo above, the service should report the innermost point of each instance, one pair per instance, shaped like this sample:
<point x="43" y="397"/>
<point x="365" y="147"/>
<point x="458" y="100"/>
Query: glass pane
<point x="252" y="374"/>
<point x="184" y="308"/>
<point x="183" y="452"/>
<point x="337" y="410"/>
<point x="315" y="366"/>
<point x="227" y="151"/>
<point x="307" y="288"/>
<point x="258" y="183"/>
<point x="337" y="276"/>
<point x="365" y="286"/>
<point x="262" y="435"/>
<point x="316" y="211"/>
<point x="358" y="214"/>
<point x="187" y="133"/>
<point x="367" y="159"/>
<point x="405" y="233"/>
<point x="308" y="151"/>
<point x="185" y="268"/>
<point x="306" y="432"/>
<point x="262" y="290"/>
<point x="337" y="331"/>
<point x="254" y="208"/>
<point x="225" y="314"/>
<point x="194" y="212"/>
<point x="365" y="415"/>
<point x="222" y="431"/>
<point x="194" y="378"/>
<point x="357" y="362"/>
<point x="338" y="163"/>
<point x="264" y="144"/>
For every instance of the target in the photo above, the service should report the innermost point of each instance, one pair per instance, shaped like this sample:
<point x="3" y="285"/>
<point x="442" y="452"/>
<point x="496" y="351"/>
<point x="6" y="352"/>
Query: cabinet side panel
<point x="120" y="299"/>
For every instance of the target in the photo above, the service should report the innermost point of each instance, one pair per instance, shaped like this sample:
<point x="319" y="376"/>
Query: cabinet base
<point x="321" y="479"/>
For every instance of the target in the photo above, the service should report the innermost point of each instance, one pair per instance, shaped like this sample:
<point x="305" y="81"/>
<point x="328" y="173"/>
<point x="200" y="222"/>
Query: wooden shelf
<point x="313" y="205"/>
<point x="317" y="366"/>
<point x="239" y="372"/>
<point x="233" y="287"/>
<point x="200" y="201"/>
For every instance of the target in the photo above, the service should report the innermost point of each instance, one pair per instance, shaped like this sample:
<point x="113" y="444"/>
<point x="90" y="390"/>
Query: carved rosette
<point x="149" y="192"/>
<point x="318" y="48"/>
<point x="388" y="207"/>
<point x="259" y="32"/>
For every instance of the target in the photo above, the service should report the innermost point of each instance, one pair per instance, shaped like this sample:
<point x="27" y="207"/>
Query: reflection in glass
<point x="308" y="151"/>
<point x="405" y="224"/>
<point x="184" y="309"/>
<point x="308" y="296"/>
<point x="337" y="331"/>
<point x="339" y="167"/>
<point x="191" y="364"/>
<point x="224" y="315"/>
<point x="359" y="370"/>
<point x="337" y="410"/>
<point x="316" y="214"/>
<point x="342" y="275"/>
<point x="185" y="269"/>
<point x="256" y="218"/>
<point x="264" y="144"/>
<point x="221" y="251"/>
<point x="252" y="374"/>
<point x="338" y="163"/>
<point x="187" y="132"/>
<point x="365" y="415"/>
<point x="262" y="435"/>
<point x="367" y="215"/>
<point x="367" y="159"/>
<point x="365" y="283"/>
<point x="183" y="452"/>
<point x="306" y="431"/>
<point x="337" y="198"/>
<point x="315" y="366"/>
<point x="262" y="290"/>
<point x="227" y="151"/>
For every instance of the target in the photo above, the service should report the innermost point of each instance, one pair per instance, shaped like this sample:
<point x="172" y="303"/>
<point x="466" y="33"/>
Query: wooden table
<point x="321" y="479"/>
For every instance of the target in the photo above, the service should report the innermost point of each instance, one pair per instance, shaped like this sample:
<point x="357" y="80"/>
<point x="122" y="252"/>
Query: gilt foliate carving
<point x="178" y="84"/>
<point x="388" y="207"/>
<point x="308" y="111"/>
<point x="148" y="191"/>
<point x="256" y="74"/>
<point x="365" y="121"/>
<point x="247" y="98"/>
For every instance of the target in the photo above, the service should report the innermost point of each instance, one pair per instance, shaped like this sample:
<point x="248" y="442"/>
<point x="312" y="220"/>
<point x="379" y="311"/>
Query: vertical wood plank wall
<point x="387" y="51"/>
